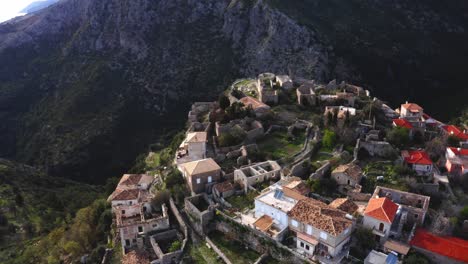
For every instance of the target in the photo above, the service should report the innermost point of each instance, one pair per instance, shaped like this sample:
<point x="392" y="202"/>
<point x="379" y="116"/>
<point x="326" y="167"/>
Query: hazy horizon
<point x="12" y="8"/>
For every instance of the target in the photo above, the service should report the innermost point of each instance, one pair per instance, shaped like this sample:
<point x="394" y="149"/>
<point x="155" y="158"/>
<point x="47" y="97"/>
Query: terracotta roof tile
<point x="345" y="205"/>
<point x="350" y="169"/>
<point x="134" y="179"/>
<point x="124" y="194"/>
<point x="250" y="101"/>
<point x="455" y="131"/>
<point x="136" y="257"/>
<point x="320" y="216"/>
<point x="200" y="166"/>
<point x="196" y="137"/>
<point x="397" y="247"/>
<point x="224" y="186"/>
<point x="382" y="209"/>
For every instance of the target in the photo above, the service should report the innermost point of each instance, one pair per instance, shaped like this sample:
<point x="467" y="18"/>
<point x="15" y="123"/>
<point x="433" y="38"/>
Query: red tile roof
<point x="250" y="101"/>
<point x="459" y="151"/>
<point x="382" y="209"/>
<point x="400" y="122"/>
<point x="455" y="131"/>
<point x="416" y="157"/>
<point x="123" y="195"/>
<point x="450" y="247"/>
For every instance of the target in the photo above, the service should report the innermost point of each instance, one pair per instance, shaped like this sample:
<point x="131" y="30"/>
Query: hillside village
<point x="288" y="170"/>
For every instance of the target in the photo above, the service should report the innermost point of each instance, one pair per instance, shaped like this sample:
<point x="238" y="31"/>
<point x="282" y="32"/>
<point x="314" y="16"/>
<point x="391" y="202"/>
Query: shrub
<point x="223" y="101"/>
<point x="176" y="245"/>
<point x="329" y="139"/>
<point x="399" y="136"/>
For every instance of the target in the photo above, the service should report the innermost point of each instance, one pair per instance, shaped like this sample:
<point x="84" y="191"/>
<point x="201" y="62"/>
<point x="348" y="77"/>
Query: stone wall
<point x="320" y="172"/>
<point x="374" y="148"/>
<point x="201" y="218"/>
<point x="257" y="240"/>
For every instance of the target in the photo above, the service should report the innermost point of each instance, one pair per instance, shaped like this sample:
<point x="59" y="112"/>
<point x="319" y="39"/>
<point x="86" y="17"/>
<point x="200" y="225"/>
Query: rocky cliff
<point x="85" y="85"/>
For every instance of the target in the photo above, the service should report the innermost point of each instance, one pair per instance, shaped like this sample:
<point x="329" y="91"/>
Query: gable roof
<point x="450" y="247"/>
<point x="455" y="131"/>
<point x="400" y="122"/>
<point x="352" y="170"/>
<point x="124" y="194"/>
<point x="250" y="101"/>
<point x="382" y="209"/>
<point x="134" y="179"/>
<point x="298" y="186"/>
<point x="459" y="151"/>
<point x="412" y="107"/>
<point x="194" y="137"/>
<point x="321" y="216"/>
<point x="200" y="166"/>
<point x="416" y="157"/>
<point x="345" y="205"/>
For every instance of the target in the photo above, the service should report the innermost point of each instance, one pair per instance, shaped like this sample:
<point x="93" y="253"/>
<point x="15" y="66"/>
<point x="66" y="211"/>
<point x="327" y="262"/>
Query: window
<point x="155" y="225"/>
<point x="294" y="223"/>
<point x="140" y="229"/>
<point x="210" y="179"/>
<point x="307" y="247"/>
<point x="309" y="230"/>
<point x="346" y="231"/>
<point x="381" y="226"/>
<point x="127" y="242"/>
<point x="349" y="182"/>
<point x="130" y="202"/>
<point x="123" y="212"/>
<point x="416" y="215"/>
<point x="198" y="181"/>
<point x="302" y="244"/>
<point x="134" y="240"/>
<point x="323" y="235"/>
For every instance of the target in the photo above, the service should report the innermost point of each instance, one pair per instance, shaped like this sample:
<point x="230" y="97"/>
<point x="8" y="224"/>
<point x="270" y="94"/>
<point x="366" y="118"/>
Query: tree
<point x="329" y="139"/>
<point x="173" y="178"/>
<point x="72" y="248"/>
<point x="160" y="198"/>
<point x="399" y="136"/>
<point x="435" y="148"/>
<point x="176" y="245"/>
<point x="224" y="102"/>
<point x="453" y="141"/>
<point x="415" y="258"/>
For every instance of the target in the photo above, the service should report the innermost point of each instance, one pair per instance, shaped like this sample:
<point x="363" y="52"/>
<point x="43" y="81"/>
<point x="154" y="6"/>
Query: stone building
<point x="201" y="174"/>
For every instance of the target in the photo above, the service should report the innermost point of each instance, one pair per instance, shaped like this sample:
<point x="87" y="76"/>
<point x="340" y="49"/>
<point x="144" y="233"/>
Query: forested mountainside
<point x="86" y="85"/>
<point x="33" y="204"/>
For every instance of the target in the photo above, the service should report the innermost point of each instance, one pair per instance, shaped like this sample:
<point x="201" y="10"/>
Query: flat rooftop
<point x="275" y="198"/>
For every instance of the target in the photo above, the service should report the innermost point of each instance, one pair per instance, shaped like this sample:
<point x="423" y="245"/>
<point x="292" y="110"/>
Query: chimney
<point x="406" y="102"/>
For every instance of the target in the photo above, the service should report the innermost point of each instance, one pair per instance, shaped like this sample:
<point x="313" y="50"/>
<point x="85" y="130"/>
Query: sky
<point x="11" y="8"/>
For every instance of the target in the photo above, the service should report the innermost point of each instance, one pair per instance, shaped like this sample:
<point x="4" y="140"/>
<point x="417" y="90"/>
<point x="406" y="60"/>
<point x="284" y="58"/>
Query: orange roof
<point x="264" y="223"/>
<point x="134" y="179"/>
<point x="450" y="247"/>
<point x="250" y="101"/>
<point x="307" y="238"/>
<point x="416" y="157"/>
<point x="382" y="209"/>
<point x="344" y="204"/>
<point x="412" y="107"/>
<point x="321" y="216"/>
<point x="400" y="122"/>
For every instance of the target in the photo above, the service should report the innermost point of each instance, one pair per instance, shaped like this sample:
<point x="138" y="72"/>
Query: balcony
<point x="378" y="232"/>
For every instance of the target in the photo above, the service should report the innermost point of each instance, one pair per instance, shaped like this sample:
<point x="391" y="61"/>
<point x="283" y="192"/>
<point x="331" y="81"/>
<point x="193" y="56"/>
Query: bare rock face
<point x="95" y="81"/>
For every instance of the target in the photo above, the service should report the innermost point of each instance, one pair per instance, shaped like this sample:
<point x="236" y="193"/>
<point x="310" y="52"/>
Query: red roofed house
<point x="457" y="161"/>
<point x="258" y="107"/>
<point x="400" y="122"/>
<point x="440" y="249"/>
<point x="414" y="114"/>
<point x="451" y="130"/>
<point x="417" y="160"/>
<point x="379" y="215"/>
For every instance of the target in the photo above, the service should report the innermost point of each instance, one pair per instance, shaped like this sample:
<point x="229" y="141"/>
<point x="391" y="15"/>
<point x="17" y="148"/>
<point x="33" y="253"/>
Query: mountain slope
<point x="402" y="49"/>
<point x="38" y="5"/>
<point x="95" y="81"/>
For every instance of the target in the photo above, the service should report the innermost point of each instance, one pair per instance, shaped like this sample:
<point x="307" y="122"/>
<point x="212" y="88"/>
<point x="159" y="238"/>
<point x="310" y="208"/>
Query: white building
<point x="192" y="148"/>
<point x="379" y="216"/>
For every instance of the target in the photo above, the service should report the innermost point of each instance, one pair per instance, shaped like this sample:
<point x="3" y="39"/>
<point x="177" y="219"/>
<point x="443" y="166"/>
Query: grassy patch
<point x="201" y="254"/>
<point x="277" y="145"/>
<point x="234" y="250"/>
<point x="392" y="177"/>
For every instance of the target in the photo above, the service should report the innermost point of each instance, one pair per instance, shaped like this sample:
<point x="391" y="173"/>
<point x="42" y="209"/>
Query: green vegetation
<point x="365" y="242"/>
<point x="234" y="250"/>
<point x="176" y="245"/>
<point x="223" y="101"/>
<point x="200" y="254"/>
<point x="243" y="201"/>
<point x="414" y="257"/>
<point x="399" y="136"/>
<point x="277" y="145"/>
<point x="393" y="176"/>
<point x="325" y="186"/>
<point x="329" y="139"/>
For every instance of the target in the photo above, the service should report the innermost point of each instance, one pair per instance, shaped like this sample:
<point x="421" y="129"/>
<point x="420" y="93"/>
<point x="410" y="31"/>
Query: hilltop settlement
<point x="287" y="170"/>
